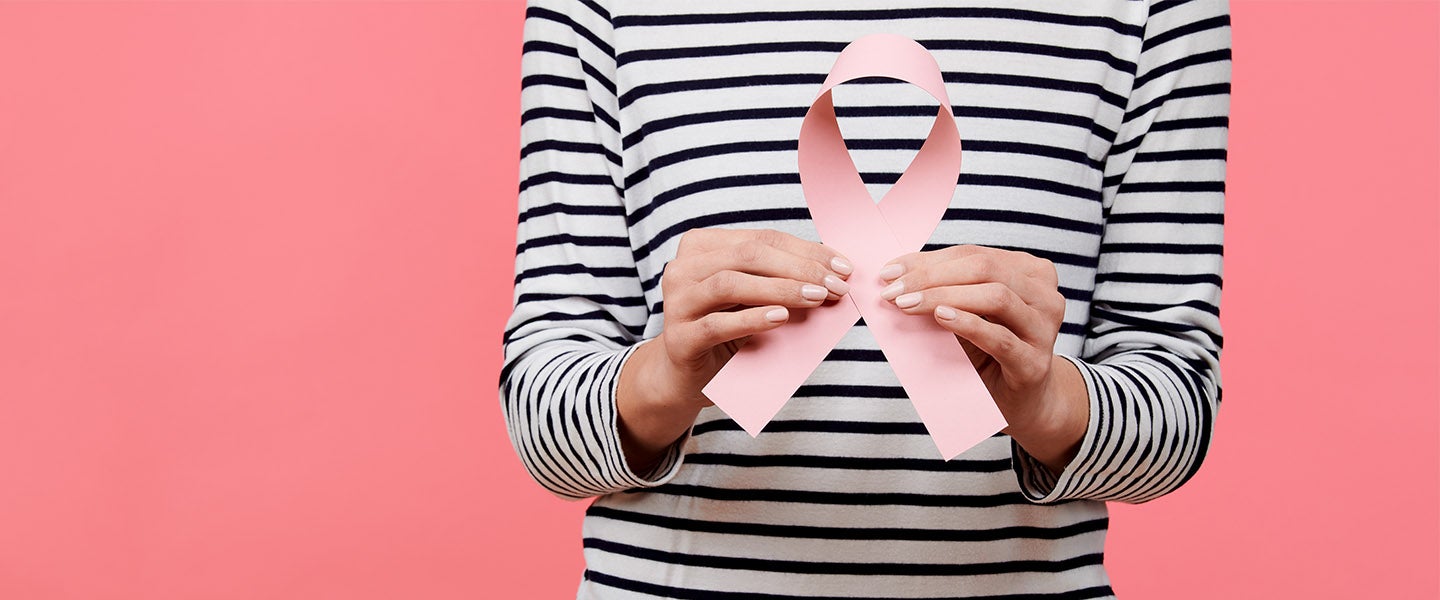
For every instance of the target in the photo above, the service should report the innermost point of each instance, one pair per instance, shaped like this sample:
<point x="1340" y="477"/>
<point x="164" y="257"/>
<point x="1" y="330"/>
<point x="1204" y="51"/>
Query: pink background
<point x="256" y="258"/>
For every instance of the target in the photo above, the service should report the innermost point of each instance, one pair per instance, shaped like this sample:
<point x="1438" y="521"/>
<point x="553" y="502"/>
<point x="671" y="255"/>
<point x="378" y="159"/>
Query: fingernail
<point x="841" y="266"/>
<point x="893" y="290"/>
<point x="813" y="292"/>
<point x="891" y="271"/>
<point x="777" y="315"/>
<point x="945" y="312"/>
<point x="837" y="285"/>
<point x="908" y="300"/>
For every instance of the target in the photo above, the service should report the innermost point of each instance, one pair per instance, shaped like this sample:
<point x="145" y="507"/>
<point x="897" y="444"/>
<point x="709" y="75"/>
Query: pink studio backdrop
<point x="256" y="259"/>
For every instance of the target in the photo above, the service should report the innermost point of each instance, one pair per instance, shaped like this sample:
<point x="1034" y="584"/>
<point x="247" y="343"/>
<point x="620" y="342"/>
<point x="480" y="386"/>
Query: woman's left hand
<point x="1006" y="309"/>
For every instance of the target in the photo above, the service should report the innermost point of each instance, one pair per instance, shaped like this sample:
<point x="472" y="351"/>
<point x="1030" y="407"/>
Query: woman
<point x="661" y="222"/>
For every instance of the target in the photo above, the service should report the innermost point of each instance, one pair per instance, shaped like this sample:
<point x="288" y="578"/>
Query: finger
<point x="710" y="239"/>
<point x="762" y="259"/>
<point x="1020" y="363"/>
<point x="1023" y="262"/>
<point x="727" y="289"/>
<point x="973" y="269"/>
<point x="994" y="301"/>
<point x="720" y="327"/>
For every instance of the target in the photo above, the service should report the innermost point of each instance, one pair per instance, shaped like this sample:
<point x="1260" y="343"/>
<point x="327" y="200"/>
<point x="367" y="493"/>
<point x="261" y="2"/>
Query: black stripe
<point x="876" y="15"/>
<point x="565" y="146"/>
<point x="1161" y="248"/>
<point x="1197" y="91"/>
<point x="849" y="462"/>
<point x="844" y="568"/>
<point x="550" y="47"/>
<point x="1180" y="155"/>
<point x="569" y="178"/>
<point x="555" y="80"/>
<point x="1152" y="41"/>
<point x="597" y="241"/>
<point x="558" y="208"/>
<point x="1190" y="60"/>
<point x="595" y="315"/>
<point x="1015" y="532"/>
<point x="535" y="12"/>
<point x="1159" y="278"/>
<point x="1157" y="306"/>
<point x="601" y="299"/>
<point x="934" y="45"/>
<point x="812" y="426"/>
<point x="1166" y="187"/>
<point x="548" y="112"/>
<point x="1167" y="217"/>
<point x="642" y="91"/>
<point x="665" y="591"/>
<point x="797" y="112"/>
<point x="837" y="498"/>
<point x="628" y="272"/>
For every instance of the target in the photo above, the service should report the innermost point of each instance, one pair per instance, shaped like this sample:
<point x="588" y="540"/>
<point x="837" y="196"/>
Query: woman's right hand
<point x="723" y="286"/>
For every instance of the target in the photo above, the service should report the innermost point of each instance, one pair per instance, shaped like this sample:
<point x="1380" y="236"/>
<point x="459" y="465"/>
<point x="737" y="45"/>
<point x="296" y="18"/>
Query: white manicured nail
<point x="908" y="300"/>
<point x="946" y="313"/>
<point x="837" y="285"/>
<point x="841" y="266"/>
<point x="813" y="292"/>
<point x="777" y="315"/>
<point x="892" y="271"/>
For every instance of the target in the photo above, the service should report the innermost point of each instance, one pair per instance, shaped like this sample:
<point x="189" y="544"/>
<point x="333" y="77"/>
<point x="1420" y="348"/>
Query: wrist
<point x="1054" y="434"/>
<point x="657" y="383"/>
<point x="651" y="410"/>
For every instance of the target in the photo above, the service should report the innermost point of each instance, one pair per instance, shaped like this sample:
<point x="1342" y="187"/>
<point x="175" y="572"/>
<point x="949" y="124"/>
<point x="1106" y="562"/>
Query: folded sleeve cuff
<point x="1042" y="486"/>
<point x="626" y="478"/>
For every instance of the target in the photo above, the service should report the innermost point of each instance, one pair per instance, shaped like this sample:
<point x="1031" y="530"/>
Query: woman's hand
<point x="1006" y="309"/>
<point x="722" y="287"/>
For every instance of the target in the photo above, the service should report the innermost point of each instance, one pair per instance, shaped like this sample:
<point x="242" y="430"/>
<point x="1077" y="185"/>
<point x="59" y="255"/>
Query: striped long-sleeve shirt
<point x="1094" y="136"/>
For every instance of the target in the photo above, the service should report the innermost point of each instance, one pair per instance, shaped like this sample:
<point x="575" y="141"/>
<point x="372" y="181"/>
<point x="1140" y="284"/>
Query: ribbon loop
<point x="930" y="363"/>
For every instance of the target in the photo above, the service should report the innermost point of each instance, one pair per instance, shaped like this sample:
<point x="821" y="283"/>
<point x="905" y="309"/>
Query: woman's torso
<point x="844" y="494"/>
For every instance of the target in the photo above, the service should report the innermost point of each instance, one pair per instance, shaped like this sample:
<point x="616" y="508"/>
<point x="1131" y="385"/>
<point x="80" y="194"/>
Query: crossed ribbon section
<point x="930" y="363"/>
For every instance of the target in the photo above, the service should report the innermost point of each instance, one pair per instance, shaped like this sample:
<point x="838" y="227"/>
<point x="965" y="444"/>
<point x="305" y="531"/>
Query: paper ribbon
<point x="930" y="363"/>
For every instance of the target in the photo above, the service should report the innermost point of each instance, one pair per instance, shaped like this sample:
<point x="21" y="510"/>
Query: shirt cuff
<point x="668" y="465"/>
<point x="1037" y="482"/>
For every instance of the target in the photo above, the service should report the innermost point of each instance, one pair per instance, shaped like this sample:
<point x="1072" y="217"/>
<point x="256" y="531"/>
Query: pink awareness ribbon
<point x="929" y="362"/>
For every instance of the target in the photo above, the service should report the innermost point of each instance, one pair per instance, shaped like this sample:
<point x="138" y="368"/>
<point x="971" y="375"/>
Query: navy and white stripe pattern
<point x="1094" y="136"/>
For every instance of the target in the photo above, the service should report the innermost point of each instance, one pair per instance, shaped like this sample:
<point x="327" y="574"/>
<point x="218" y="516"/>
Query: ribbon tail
<point x="758" y="380"/>
<point x="948" y="394"/>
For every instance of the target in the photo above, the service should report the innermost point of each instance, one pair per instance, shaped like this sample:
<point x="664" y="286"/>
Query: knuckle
<point x="750" y="251"/>
<point x="983" y="266"/>
<point x="690" y="239"/>
<point x="706" y="331"/>
<point x="1005" y="345"/>
<point x="998" y="296"/>
<point x="1058" y="301"/>
<point x="769" y="236"/>
<point x="674" y="269"/>
<point x="722" y="283"/>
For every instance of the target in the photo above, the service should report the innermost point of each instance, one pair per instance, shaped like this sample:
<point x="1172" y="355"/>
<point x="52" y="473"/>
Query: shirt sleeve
<point x="1151" y="357"/>
<point x="579" y="308"/>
